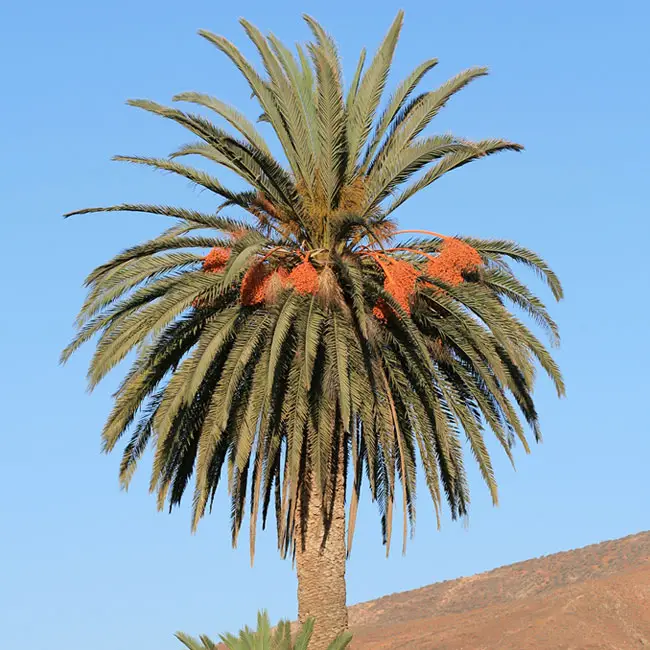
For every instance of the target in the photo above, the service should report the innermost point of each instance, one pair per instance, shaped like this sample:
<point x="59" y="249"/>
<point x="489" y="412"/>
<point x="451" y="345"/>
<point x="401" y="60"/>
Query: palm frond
<point x="367" y="98"/>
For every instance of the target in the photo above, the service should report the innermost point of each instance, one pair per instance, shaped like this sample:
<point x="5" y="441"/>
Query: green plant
<point x="264" y="638"/>
<point x="294" y="333"/>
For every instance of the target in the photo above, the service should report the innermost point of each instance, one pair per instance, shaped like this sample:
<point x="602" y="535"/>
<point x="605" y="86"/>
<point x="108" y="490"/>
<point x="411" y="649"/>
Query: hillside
<point x="587" y="599"/>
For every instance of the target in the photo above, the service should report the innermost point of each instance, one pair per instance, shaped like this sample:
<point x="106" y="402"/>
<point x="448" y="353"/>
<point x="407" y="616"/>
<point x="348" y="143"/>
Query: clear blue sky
<point x="83" y="564"/>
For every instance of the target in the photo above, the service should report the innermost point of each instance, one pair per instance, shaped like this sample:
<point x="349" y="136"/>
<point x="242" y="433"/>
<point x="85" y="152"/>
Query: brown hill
<point x="591" y="598"/>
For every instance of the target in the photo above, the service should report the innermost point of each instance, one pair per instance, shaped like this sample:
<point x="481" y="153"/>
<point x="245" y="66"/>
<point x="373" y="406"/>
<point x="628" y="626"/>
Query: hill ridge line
<point x="514" y="565"/>
<point x="596" y="597"/>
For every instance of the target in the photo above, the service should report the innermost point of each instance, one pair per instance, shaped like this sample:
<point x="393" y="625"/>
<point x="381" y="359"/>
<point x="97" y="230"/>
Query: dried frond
<point x="276" y="282"/>
<point x="329" y="289"/>
<point x="266" y="205"/>
<point x="384" y="230"/>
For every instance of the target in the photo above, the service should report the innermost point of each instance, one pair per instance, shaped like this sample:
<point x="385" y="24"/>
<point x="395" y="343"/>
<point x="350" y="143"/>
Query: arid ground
<point x="594" y="597"/>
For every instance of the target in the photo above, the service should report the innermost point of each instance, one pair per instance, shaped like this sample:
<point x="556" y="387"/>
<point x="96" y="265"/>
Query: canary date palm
<point x="294" y="339"/>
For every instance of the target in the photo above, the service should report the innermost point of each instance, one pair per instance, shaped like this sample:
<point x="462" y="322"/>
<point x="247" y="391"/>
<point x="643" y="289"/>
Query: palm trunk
<point x="320" y="560"/>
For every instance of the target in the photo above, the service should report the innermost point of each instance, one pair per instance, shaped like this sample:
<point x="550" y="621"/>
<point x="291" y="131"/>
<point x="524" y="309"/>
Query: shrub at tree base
<point x="264" y="638"/>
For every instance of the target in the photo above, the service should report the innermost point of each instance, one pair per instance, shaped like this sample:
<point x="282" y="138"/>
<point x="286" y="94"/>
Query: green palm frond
<point x="366" y="100"/>
<point x="232" y="115"/>
<point x="453" y="160"/>
<point x="396" y="104"/>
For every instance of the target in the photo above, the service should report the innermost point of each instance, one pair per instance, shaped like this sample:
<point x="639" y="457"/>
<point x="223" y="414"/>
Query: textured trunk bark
<point x="320" y="560"/>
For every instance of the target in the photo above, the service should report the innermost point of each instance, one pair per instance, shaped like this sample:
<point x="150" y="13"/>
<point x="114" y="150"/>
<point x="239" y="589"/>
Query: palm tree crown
<point x="306" y="335"/>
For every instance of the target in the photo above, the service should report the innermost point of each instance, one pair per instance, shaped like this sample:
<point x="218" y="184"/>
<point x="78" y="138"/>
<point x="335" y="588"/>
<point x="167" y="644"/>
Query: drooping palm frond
<point x="313" y="323"/>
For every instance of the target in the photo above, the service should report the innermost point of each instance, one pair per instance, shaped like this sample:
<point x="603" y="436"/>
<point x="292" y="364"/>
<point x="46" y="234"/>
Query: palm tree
<point x="316" y="342"/>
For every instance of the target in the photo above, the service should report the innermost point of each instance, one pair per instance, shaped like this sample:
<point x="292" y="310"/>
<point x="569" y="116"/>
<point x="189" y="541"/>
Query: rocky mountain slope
<point x="597" y="597"/>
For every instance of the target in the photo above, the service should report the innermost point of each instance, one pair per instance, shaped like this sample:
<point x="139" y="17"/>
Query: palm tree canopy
<point x="266" y="340"/>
